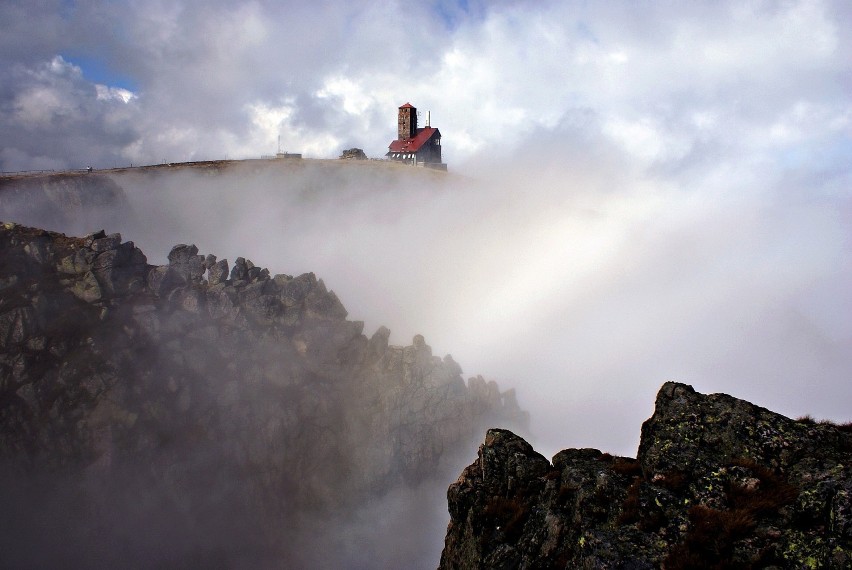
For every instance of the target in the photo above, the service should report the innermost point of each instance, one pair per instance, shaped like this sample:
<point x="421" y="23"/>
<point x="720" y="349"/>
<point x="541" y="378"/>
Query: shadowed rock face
<point x="718" y="483"/>
<point x="68" y="201"/>
<point x="195" y="413"/>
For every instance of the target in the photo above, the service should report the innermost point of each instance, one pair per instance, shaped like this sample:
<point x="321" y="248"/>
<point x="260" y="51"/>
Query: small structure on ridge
<point x="353" y="154"/>
<point x="416" y="146"/>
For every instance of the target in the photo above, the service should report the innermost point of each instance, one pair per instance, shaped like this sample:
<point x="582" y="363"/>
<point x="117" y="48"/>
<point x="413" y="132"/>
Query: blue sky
<point x="96" y="70"/>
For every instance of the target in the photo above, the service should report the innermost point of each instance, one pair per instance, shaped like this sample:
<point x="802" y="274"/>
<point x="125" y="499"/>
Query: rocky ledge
<point x="718" y="483"/>
<point x="186" y="415"/>
<point x="63" y="200"/>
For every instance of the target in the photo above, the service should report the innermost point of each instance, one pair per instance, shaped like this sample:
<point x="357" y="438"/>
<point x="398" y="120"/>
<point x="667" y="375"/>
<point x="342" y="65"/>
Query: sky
<point x="641" y="191"/>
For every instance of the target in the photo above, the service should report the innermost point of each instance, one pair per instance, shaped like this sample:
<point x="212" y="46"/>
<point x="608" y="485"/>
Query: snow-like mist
<point x="637" y="192"/>
<point x="584" y="287"/>
<point x="582" y="284"/>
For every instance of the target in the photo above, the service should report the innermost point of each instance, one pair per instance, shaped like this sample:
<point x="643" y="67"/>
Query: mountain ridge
<point x="239" y="402"/>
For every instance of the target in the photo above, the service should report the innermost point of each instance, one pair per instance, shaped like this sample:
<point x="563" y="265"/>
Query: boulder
<point x="718" y="483"/>
<point x="353" y="154"/>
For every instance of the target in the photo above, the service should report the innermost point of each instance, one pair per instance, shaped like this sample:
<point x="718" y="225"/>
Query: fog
<point x="582" y="287"/>
<point x="636" y="192"/>
<point x="172" y="497"/>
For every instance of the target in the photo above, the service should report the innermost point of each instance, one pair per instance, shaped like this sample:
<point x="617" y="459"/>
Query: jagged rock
<point x="353" y="154"/>
<point x="379" y="343"/>
<point x="217" y="271"/>
<point x="233" y="404"/>
<point x="187" y="266"/>
<point x="104" y="242"/>
<point x="239" y="272"/>
<point x="61" y="200"/>
<point x="718" y="483"/>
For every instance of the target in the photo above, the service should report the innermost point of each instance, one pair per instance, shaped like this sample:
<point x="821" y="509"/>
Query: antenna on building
<point x="428" y="118"/>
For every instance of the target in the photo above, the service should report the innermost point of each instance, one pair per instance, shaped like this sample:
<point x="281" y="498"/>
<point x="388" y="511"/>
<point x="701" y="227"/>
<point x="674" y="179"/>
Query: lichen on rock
<point x="718" y="483"/>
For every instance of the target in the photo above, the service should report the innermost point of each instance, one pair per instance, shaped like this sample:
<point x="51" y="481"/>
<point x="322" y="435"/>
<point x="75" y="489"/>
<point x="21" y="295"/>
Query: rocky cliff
<point x="68" y="201"/>
<point x="196" y="413"/>
<point x="718" y="483"/>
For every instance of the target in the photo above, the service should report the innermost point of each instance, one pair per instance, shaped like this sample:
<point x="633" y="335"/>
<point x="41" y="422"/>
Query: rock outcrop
<point x="353" y="154"/>
<point x="718" y="483"/>
<point x="187" y="415"/>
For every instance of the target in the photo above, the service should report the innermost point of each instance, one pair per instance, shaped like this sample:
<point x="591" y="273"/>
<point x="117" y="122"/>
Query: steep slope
<point x="68" y="201"/>
<point x="719" y="483"/>
<point x="196" y="414"/>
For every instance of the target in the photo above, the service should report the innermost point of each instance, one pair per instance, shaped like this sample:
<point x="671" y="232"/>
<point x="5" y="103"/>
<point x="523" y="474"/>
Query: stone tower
<point x="407" y="121"/>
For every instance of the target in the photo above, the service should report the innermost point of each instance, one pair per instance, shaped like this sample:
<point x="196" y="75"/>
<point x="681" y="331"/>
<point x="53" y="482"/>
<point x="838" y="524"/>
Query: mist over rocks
<point x="604" y="280"/>
<point x="200" y="414"/>
<point x="718" y="483"/>
<point x="70" y="201"/>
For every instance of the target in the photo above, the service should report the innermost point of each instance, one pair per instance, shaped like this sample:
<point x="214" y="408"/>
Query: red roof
<point x="413" y="144"/>
<point x="406" y="106"/>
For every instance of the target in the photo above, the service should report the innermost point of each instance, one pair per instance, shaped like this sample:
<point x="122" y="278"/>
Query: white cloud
<point x="648" y="192"/>
<point x="645" y="140"/>
<point x="39" y="105"/>
<point x="107" y="93"/>
<point x="646" y="148"/>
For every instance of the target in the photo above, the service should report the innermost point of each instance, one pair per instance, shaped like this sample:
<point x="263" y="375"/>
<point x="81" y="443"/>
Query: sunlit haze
<point x="637" y="192"/>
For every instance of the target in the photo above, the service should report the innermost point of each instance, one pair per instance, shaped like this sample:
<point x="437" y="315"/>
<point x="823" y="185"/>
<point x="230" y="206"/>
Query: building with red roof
<point x="417" y="146"/>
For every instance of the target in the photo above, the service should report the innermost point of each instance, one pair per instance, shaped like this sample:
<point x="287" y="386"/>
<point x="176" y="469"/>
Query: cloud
<point x="493" y="76"/>
<point x="54" y="118"/>
<point x="637" y="193"/>
<point x="660" y="191"/>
